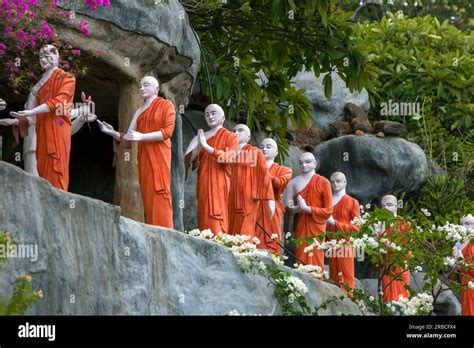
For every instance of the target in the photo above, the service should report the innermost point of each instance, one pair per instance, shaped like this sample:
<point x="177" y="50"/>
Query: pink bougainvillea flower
<point x="76" y="52"/>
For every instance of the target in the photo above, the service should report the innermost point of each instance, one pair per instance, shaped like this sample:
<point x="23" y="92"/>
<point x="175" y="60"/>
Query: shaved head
<point x="243" y="132"/>
<point x="390" y="202"/>
<point x="270" y="141"/>
<point x="307" y="163"/>
<point x="338" y="175"/>
<point x="269" y="148"/>
<point x="215" y="107"/>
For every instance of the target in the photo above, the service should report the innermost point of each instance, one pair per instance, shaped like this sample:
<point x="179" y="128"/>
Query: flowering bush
<point x="23" y="294"/>
<point x="26" y="27"/>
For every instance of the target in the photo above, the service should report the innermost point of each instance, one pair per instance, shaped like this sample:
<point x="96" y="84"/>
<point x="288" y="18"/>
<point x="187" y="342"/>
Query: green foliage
<point x="241" y="40"/>
<point x="445" y="198"/>
<point x="420" y="60"/>
<point x="23" y="295"/>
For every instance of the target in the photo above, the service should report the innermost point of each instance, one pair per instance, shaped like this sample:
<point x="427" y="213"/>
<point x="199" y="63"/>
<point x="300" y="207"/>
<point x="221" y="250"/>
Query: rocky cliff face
<point x="93" y="261"/>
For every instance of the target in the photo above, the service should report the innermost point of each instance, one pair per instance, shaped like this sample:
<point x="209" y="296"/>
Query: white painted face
<point x="390" y="202"/>
<point x="214" y="115"/>
<point x="243" y="132"/>
<point x="49" y="57"/>
<point x="269" y="148"/>
<point x="338" y="181"/>
<point x="468" y="222"/>
<point x="149" y="87"/>
<point x="307" y="162"/>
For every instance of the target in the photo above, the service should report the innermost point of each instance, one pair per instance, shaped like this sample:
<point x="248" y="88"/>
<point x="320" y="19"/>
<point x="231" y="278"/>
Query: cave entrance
<point x="90" y="168"/>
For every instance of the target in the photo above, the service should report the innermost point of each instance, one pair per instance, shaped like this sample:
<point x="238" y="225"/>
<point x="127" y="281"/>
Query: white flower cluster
<point x="230" y="240"/>
<point x="454" y="232"/>
<point x="390" y="244"/>
<point x="421" y="304"/>
<point x="425" y="212"/>
<point x="295" y="285"/>
<point x="279" y="260"/>
<point x="246" y="254"/>
<point x="234" y="312"/>
<point x="206" y="234"/>
<point x="449" y="261"/>
<point x="313" y="270"/>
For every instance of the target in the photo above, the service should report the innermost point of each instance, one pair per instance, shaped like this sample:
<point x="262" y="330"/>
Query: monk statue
<point x="212" y="152"/>
<point x="3" y="104"/>
<point x="345" y="209"/>
<point x="152" y="127"/>
<point x="250" y="183"/>
<point x="466" y="251"/>
<point x="309" y="196"/>
<point x="393" y="284"/>
<point x="45" y="123"/>
<point x="280" y="176"/>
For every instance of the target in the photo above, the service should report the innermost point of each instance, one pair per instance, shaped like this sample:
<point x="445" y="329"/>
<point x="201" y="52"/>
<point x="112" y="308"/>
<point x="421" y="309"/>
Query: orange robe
<point x="53" y="129"/>
<point x="213" y="181"/>
<point x="318" y="195"/>
<point x="154" y="162"/>
<point x="467" y="295"/>
<point x="250" y="182"/>
<point x="341" y="268"/>
<point x="280" y="175"/>
<point x="397" y="287"/>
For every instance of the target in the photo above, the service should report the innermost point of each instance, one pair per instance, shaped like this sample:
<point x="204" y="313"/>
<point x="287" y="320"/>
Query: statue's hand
<point x="378" y="228"/>
<point x="106" y="128"/>
<point x="88" y="118"/>
<point x="9" y="122"/>
<point x="24" y="113"/>
<point x="271" y="206"/>
<point x="133" y="136"/>
<point x="3" y="104"/>
<point x="86" y="100"/>
<point x="302" y="204"/>
<point x="202" y="138"/>
<point x="331" y="220"/>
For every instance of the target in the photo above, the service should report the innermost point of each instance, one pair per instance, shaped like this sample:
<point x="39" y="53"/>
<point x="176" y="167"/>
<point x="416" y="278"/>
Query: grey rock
<point x="326" y="111"/>
<point x="116" y="266"/>
<point x="373" y="166"/>
<point x="389" y="128"/>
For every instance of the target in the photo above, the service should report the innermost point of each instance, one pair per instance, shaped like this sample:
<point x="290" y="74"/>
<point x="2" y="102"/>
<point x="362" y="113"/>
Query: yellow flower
<point x="39" y="293"/>
<point x="28" y="278"/>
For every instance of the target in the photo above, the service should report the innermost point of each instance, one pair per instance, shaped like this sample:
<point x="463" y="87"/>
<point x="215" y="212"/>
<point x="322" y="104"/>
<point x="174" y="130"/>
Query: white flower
<point x="310" y="254"/>
<point x="274" y="236"/>
<point x="421" y="304"/>
<point x="261" y="266"/>
<point x="367" y="206"/>
<point x="449" y="261"/>
<point x="256" y="240"/>
<point x="425" y="212"/>
<point x="471" y="285"/>
<point x="234" y="312"/>
<point x="418" y="269"/>
<point x="371" y="299"/>
<point x="297" y="284"/>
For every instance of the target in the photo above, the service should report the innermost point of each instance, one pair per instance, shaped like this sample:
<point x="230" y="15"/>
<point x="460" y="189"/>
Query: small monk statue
<point x="212" y="152"/>
<point x="152" y="127"/>
<point x="250" y="183"/>
<point x="47" y="120"/>
<point x="280" y="176"/>
<point x="466" y="251"/>
<point x="313" y="197"/>
<point x="393" y="289"/>
<point x="345" y="209"/>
